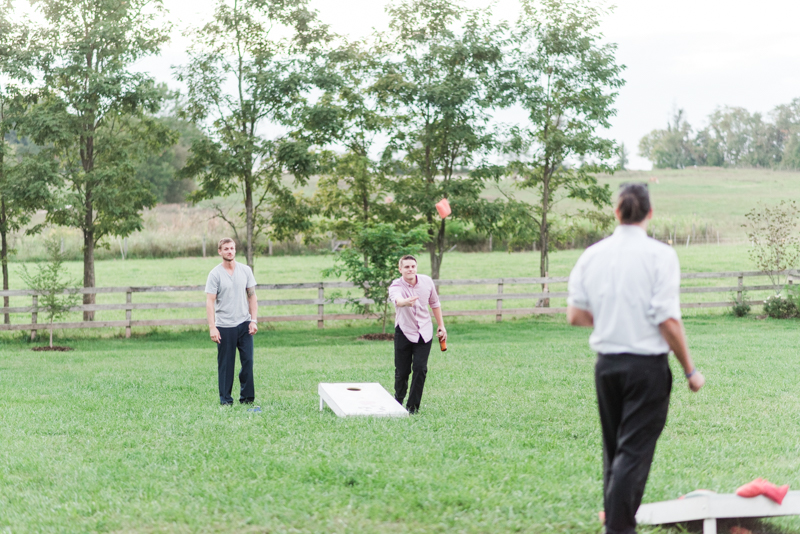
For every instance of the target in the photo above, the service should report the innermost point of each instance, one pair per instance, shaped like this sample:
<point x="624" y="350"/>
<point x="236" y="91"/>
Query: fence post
<point x="499" y="316"/>
<point x="34" y="316"/>
<point x="741" y="285"/>
<point x="320" y="306"/>
<point x="128" y="312"/>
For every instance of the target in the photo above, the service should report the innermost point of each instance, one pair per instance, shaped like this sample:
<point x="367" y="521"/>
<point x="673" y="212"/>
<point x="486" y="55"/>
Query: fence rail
<point x="129" y="306"/>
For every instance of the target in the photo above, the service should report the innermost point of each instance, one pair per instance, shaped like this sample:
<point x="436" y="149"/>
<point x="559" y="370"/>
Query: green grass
<point x="126" y="435"/>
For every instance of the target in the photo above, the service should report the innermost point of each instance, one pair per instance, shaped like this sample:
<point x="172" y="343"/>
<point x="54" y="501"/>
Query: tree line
<point x="389" y="124"/>
<point x="734" y="137"/>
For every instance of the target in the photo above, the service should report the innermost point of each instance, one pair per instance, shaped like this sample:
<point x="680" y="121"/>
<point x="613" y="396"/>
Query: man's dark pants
<point x="236" y="337"/>
<point x="410" y="356"/>
<point x="633" y="398"/>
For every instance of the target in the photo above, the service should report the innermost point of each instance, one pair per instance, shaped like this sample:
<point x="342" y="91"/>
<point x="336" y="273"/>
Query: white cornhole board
<point x="711" y="507"/>
<point x="346" y="399"/>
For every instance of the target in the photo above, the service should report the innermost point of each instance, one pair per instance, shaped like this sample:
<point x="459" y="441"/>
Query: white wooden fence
<point x="320" y="317"/>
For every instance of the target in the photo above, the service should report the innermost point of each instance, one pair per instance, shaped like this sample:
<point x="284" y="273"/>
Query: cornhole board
<point x="711" y="507"/>
<point x="347" y="399"/>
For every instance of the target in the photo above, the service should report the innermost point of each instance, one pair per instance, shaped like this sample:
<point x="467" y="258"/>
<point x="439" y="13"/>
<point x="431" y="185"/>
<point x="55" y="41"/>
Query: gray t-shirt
<point x="231" y="308"/>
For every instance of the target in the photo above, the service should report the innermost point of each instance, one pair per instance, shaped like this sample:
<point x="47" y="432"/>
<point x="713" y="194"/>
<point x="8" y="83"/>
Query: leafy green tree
<point x="250" y="69"/>
<point x="382" y="245"/>
<point x="57" y="293"/>
<point x="26" y="175"/>
<point x="567" y="83"/>
<point x="787" y="122"/>
<point x="671" y="148"/>
<point x="439" y="80"/>
<point x="96" y="113"/>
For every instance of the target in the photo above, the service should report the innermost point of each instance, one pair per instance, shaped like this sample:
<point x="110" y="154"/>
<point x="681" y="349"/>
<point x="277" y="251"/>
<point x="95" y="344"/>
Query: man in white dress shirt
<point x="627" y="288"/>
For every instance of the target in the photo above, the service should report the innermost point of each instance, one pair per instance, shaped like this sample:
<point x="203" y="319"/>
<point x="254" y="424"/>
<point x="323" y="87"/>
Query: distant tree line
<point x="389" y="125"/>
<point x="734" y="137"/>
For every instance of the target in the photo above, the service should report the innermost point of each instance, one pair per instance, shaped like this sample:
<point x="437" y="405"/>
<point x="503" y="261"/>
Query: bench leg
<point x="710" y="526"/>
<point x="320" y="403"/>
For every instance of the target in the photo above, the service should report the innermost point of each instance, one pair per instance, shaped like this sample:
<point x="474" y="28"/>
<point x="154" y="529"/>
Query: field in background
<point x="697" y="201"/>
<point x="126" y="435"/>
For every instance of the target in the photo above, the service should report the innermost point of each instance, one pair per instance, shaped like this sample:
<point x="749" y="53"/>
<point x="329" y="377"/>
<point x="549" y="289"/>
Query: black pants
<point x="633" y="398"/>
<point x="410" y="356"/>
<point x="236" y="337"/>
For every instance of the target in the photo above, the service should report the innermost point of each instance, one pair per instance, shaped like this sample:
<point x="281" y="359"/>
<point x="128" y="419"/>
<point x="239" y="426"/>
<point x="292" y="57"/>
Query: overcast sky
<point x="691" y="54"/>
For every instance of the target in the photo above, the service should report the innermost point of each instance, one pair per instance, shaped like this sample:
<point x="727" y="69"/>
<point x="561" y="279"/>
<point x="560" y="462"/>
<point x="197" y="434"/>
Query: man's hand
<point x="215" y="334"/>
<point x="405" y="303"/>
<point x="441" y="333"/>
<point x="696" y="381"/>
<point x="253" y="328"/>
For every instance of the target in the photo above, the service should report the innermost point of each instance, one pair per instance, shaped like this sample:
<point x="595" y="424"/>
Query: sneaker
<point x="256" y="409"/>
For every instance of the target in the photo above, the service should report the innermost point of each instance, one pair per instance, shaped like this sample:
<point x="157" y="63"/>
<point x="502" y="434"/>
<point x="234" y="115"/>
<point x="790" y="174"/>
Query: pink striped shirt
<point x="415" y="320"/>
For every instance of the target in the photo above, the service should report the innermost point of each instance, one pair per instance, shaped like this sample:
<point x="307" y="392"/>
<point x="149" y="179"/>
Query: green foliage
<point x="438" y="80"/>
<point x="734" y="137"/>
<point x="774" y="240"/>
<point x="780" y="307"/>
<point x="740" y="307"/>
<point x="95" y="113"/>
<point x="57" y="293"/>
<point x="567" y="81"/>
<point x="371" y="262"/>
<point x="252" y="67"/>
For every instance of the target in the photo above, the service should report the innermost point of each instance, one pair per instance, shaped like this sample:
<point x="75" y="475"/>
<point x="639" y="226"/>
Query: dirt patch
<point x="53" y="348"/>
<point x="377" y="337"/>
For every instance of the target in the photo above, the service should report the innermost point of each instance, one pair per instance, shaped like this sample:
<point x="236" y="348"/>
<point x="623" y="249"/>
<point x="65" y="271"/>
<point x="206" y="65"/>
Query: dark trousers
<point x="633" y="398"/>
<point x="410" y="356"/>
<point x="236" y="337"/>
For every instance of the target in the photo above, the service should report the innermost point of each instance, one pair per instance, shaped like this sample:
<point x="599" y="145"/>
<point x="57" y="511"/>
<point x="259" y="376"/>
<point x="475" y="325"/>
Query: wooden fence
<point x="320" y="317"/>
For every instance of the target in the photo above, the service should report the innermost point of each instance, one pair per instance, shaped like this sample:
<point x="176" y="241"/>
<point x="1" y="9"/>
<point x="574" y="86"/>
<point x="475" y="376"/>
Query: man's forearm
<point x="579" y="317"/>
<point x="210" y="314"/>
<point x="437" y="313"/>
<point x="253" y="301"/>
<point x="672" y="332"/>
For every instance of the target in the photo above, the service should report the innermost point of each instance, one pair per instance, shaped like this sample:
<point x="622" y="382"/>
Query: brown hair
<point x="223" y="241"/>
<point x="633" y="203"/>
<point x="404" y="258"/>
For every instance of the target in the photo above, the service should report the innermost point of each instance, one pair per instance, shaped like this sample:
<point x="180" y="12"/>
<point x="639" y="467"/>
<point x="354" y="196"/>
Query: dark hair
<point x="404" y="258"/>
<point x="633" y="203"/>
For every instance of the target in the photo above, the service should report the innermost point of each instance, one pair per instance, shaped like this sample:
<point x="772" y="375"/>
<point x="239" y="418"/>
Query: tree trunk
<point x="248" y="208"/>
<point x="4" y="252"/>
<point x="544" y="235"/>
<point x="88" y="269"/>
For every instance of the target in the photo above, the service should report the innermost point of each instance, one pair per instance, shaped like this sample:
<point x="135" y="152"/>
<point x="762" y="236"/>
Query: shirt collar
<point x="403" y="281"/>
<point x="630" y="230"/>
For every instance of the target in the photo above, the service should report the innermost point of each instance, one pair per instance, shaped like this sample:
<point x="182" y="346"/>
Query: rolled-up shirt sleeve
<point x="395" y="292"/>
<point x="433" y="301"/>
<point x="578" y="298"/>
<point x="665" y="302"/>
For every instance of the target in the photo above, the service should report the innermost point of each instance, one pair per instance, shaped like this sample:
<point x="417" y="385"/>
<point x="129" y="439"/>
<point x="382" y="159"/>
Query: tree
<point x="25" y="175"/>
<point x="774" y="242"/>
<point x="622" y="157"/>
<point x="443" y="65"/>
<point x="671" y="148"/>
<point x="567" y="82"/>
<point x="263" y="50"/>
<point x="57" y="295"/>
<point x="96" y="113"/>
<point x="382" y="245"/>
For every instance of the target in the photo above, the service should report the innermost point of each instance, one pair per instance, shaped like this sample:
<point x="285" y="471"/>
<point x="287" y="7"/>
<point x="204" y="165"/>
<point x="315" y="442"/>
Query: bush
<point x="740" y="308"/>
<point x="779" y="307"/>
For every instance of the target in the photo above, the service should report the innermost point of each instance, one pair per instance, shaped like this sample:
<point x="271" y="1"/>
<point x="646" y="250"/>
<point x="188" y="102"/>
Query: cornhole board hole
<point x="711" y="507"/>
<point x="347" y="399"/>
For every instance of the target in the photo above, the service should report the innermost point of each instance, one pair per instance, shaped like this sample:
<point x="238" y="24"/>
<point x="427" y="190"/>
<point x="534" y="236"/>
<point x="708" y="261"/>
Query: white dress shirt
<point x="630" y="284"/>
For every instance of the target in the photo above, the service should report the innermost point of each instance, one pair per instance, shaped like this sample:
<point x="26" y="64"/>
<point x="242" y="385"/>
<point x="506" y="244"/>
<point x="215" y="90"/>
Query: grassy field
<point x="126" y="435"/>
<point x="711" y="199"/>
<point x="289" y="269"/>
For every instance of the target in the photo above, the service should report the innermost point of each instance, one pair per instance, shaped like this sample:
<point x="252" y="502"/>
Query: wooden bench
<point x="712" y="506"/>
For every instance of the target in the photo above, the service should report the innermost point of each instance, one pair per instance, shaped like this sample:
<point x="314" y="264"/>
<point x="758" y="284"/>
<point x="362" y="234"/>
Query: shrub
<point x="740" y="308"/>
<point x="779" y="307"/>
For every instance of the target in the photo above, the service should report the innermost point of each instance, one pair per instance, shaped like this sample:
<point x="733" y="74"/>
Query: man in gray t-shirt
<point x="232" y="311"/>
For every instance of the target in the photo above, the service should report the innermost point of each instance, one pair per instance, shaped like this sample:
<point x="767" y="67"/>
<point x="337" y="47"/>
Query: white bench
<point x="713" y="506"/>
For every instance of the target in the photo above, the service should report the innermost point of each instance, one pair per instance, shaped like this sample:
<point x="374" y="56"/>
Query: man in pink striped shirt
<point x="411" y="294"/>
